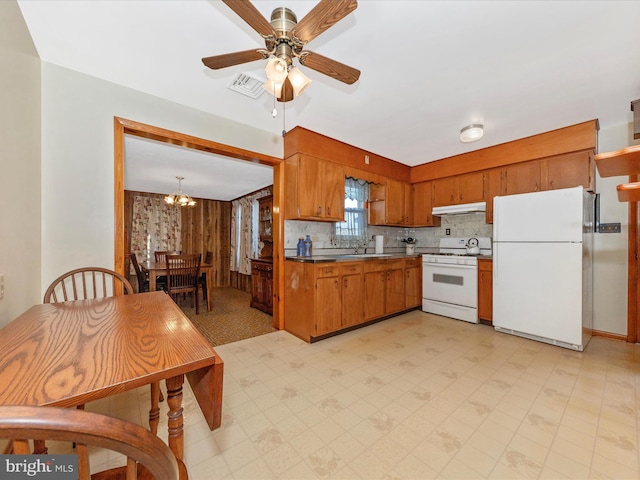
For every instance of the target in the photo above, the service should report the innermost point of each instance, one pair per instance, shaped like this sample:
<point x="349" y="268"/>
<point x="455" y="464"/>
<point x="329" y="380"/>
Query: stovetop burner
<point x="456" y="247"/>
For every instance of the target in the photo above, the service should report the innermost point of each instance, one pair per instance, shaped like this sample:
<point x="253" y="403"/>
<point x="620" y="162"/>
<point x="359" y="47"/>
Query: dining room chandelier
<point x="179" y="198"/>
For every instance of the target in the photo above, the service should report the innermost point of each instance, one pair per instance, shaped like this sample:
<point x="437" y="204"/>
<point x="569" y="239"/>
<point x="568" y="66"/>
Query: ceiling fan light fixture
<point x="298" y="80"/>
<point x="179" y="198"/>
<point x="276" y="69"/>
<point x="273" y="88"/>
<point x="471" y="133"/>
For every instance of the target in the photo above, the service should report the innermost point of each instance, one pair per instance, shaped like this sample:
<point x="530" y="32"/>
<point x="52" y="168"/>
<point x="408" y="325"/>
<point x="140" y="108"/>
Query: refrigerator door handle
<point x="495" y="265"/>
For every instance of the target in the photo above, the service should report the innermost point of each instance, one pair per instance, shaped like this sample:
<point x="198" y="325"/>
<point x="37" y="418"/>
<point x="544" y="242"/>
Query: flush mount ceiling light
<point x="471" y="133"/>
<point x="178" y="198"/>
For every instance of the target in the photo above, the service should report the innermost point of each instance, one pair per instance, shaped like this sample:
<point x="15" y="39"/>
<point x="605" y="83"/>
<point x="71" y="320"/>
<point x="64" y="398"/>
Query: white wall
<point x="19" y="165"/>
<point x="610" y="257"/>
<point x="77" y="160"/>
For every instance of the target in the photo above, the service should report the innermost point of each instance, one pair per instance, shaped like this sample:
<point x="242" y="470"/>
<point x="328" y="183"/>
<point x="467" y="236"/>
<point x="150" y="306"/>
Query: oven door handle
<point x="448" y="265"/>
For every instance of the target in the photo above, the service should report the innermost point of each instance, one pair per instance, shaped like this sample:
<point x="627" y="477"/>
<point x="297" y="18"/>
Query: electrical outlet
<point x="366" y="159"/>
<point x="447" y="231"/>
<point x="609" y="228"/>
<point x="1" y="286"/>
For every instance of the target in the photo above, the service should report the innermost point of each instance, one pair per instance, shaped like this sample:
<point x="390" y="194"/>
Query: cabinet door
<point x="311" y="203"/>
<point x="522" y="178"/>
<point x="408" y="204"/>
<point x="332" y="196"/>
<point x="423" y="206"/>
<point x="495" y="187"/>
<point x="352" y="300"/>
<point x="394" y="200"/>
<point x="257" y="293"/>
<point x="485" y="290"/>
<point x="412" y="287"/>
<point x="267" y="291"/>
<point x="445" y="191"/>
<point x="394" y="290"/>
<point x="374" y="293"/>
<point x="328" y="305"/>
<point x="570" y="170"/>
<point x="471" y="187"/>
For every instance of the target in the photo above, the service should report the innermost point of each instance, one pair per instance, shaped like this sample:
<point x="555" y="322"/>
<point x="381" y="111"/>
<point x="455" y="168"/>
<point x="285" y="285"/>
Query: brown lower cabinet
<point x="262" y="285"/>
<point x="485" y="289"/>
<point x="324" y="298"/>
<point x="383" y="288"/>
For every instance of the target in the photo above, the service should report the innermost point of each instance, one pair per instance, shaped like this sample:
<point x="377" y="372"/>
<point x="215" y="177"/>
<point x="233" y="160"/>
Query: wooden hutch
<point x="262" y="267"/>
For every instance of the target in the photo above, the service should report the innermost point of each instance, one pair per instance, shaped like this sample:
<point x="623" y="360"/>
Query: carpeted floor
<point x="231" y="319"/>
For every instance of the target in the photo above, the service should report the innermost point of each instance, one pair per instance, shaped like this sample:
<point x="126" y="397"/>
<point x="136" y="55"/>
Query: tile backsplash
<point x="469" y="225"/>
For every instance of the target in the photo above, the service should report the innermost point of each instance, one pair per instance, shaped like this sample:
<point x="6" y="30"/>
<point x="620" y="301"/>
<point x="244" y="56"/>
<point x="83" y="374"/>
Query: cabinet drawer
<point x="383" y="265"/>
<point x="352" y="268"/>
<point x="327" y="271"/>
<point x="412" y="262"/>
<point x="261" y="267"/>
<point x="485" y="265"/>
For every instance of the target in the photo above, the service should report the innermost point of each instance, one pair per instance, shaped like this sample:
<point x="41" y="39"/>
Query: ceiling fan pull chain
<point x="274" y="112"/>
<point x="284" y="109"/>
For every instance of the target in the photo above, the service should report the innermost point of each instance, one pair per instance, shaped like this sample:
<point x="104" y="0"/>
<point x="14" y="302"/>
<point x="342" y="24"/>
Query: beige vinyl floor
<point x="414" y="397"/>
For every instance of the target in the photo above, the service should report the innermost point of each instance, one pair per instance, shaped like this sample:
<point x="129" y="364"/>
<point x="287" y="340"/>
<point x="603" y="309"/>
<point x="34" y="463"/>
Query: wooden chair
<point x="161" y="257"/>
<point x="208" y="259"/>
<point x="87" y="283"/>
<point x="90" y="283"/>
<point x="146" y="455"/>
<point x="183" y="274"/>
<point x="143" y="280"/>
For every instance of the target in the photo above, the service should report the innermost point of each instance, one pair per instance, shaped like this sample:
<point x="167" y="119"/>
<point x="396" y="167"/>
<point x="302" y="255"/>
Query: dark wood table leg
<point x="176" y="427"/>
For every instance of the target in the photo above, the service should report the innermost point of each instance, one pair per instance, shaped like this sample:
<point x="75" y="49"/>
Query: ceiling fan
<point x="285" y="39"/>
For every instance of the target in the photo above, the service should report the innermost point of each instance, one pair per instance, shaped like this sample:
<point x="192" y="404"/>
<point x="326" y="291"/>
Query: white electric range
<point x="450" y="278"/>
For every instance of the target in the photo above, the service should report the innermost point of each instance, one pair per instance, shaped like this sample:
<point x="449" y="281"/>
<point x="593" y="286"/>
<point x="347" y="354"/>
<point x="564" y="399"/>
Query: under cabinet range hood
<point x="479" y="207"/>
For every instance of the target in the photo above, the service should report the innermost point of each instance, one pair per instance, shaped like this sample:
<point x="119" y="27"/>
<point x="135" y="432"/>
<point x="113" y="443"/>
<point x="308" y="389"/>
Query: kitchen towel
<point x="379" y="243"/>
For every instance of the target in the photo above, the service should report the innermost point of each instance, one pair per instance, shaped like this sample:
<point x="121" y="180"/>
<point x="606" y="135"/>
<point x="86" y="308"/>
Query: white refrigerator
<point x="543" y="266"/>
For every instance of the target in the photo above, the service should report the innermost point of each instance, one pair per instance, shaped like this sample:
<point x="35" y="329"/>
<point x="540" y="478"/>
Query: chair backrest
<point x="86" y="283"/>
<point x="161" y="256"/>
<point x="183" y="272"/>
<point x="89" y="429"/>
<point x="142" y="279"/>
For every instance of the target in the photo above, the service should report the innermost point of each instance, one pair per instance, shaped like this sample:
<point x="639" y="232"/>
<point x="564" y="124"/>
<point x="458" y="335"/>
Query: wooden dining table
<point x="71" y="353"/>
<point x="159" y="269"/>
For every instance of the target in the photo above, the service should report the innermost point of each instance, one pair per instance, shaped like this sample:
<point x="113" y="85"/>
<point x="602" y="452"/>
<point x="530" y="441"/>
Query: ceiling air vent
<point x="248" y="85"/>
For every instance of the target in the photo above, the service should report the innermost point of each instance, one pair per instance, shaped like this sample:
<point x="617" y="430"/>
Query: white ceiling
<point x="152" y="166"/>
<point x="428" y="67"/>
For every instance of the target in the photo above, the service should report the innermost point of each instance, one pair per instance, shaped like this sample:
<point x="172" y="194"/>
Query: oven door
<point x="450" y="283"/>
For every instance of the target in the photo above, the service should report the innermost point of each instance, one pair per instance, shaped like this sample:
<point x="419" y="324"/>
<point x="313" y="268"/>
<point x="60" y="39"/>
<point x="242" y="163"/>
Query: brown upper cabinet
<point x="423" y="206"/>
<point x="390" y="203"/>
<point x="561" y="171"/>
<point x="458" y="189"/>
<point x="522" y="177"/>
<point x="314" y="189"/>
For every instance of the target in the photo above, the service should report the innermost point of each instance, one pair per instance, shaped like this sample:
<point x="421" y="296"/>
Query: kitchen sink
<point x="368" y="255"/>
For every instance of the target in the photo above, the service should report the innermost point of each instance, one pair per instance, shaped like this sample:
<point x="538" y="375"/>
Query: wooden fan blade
<point x="330" y="67"/>
<point x="250" y="14"/>
<point x="322" y="16"/>
<point x="286" y="94"/>
<point x="229" y="59"/>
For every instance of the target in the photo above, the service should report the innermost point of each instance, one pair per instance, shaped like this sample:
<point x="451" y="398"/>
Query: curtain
<point x="243" y="239"/>
<point x="154" y="226"/>
<point x="352" y="232"/>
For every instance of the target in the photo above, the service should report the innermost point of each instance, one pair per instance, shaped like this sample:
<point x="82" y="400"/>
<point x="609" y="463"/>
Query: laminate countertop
<point x="351" y="257"/>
